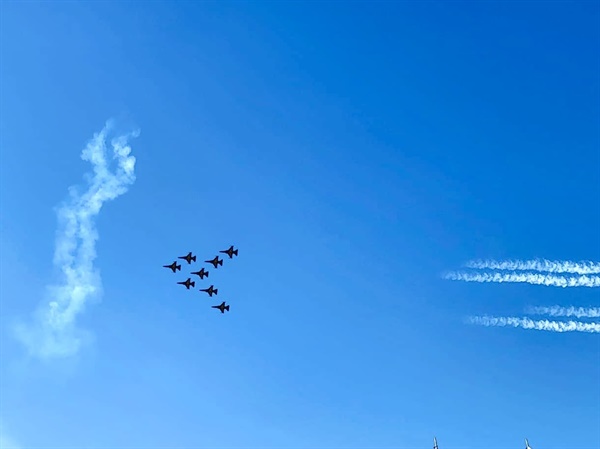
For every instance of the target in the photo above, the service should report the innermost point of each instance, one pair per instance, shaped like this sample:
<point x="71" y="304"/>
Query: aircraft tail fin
<point x="220" y="262"/>
<point x="235" y="251"/>
<point x="194" y="258"/>
<point x="193" y="284"/>
<point x="216" y="291"/>
<point x="227" y="308"/>
<point x="178" y="267"/>
<point x="206" y="273"/>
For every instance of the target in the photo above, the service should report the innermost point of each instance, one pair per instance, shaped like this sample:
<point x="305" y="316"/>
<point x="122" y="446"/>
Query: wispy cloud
<point x="530" y="278"/>
<point x="541" y="325"/>
<point x="6" y="442"/>
<point x="578" y="312"/>
<point x="53" y="332"/>
<point x="540" y="265"/>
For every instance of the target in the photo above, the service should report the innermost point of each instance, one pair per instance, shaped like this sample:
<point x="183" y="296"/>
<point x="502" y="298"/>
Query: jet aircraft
<point x="230" y="252"/>
<point x="222" y="307"/>
<point x="202" y="273"/>
<point x="435" y="446"/>
<point x="173" y="266"/>
<point x="188" y="258"/>
<point x="527" y="444"/>
<point x="210" y="290"/>
<point x="216" y="261"/>
<point x="187" y="283"/>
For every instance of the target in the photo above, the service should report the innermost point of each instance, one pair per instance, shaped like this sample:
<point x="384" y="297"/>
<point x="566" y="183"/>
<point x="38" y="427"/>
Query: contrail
<point x="53" y="332"/>
<point x="579" y="312"/>
<point x="530" y="278"/>
<point x="541" y="325"/>
<point x="549" y="266"/>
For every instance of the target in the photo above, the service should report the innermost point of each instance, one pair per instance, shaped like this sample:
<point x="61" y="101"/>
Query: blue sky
<point x="354" y="153"/>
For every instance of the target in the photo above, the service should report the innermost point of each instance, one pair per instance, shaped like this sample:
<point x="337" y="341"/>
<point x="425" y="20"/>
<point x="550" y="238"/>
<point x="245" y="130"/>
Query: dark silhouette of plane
<point x="216" y="261"/>
<point x="222" y="307"/>
<point x="230" y="252"/>
<point x="202" y="273"/>
<point x="188" y="283"/>
<point x="189" y="258"/>
<point x="210" y="290"/>
<point x="173" y="266"/>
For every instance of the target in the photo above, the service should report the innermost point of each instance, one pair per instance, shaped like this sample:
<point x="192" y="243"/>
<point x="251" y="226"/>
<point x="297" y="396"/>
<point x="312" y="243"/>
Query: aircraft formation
<point x="202" y="273"/>
<point x="435" y="444"/>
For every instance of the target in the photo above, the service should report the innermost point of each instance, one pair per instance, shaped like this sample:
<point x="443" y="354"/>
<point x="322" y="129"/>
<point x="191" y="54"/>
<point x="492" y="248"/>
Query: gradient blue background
<point x="352" y="152"/>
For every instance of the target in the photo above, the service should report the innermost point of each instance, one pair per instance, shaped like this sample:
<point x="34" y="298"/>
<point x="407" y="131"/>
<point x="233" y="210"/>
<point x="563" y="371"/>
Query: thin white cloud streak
<point x="541" y="325"/>
<point x="530" y="278"/>
<point x="53" y="333"/>
<point x="540" y="265"/>
<point x="578" y="312"/>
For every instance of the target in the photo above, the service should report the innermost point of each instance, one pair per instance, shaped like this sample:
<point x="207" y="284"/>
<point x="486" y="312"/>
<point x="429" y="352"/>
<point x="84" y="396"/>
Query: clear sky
<point x="354" y="153"/>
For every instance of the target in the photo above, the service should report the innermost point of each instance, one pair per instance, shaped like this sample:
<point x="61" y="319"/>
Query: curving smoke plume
<point x="53" y="332"/>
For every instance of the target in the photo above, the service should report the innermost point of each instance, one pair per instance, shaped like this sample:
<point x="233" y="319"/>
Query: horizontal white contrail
<point x="579" y="312"/>
<point x="541" y="325"/>
<point x="549" y="266"/>
<point x="530" y="278"/>
<point x="54" y="332"/>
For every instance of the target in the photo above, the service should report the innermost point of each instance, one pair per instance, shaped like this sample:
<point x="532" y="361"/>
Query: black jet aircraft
<point x="222" y="307"/>
<point x="188" y="258"/>
<point x="173" y="266"/>
<point x="188" y="283"/>
<point x="210" y="290"/>
<point x="230" y="252"/>
<point x="202" y="273"/>
<point x="216" y="261"/>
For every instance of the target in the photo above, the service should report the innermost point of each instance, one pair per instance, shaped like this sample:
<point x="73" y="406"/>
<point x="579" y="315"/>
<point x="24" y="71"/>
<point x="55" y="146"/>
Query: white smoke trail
<point x="541" y="325"/>
<point x="579" y="312"/>
<point x="54" y="333"/>
<point x="550" y="266"/>
<point x="530" y="278"/>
